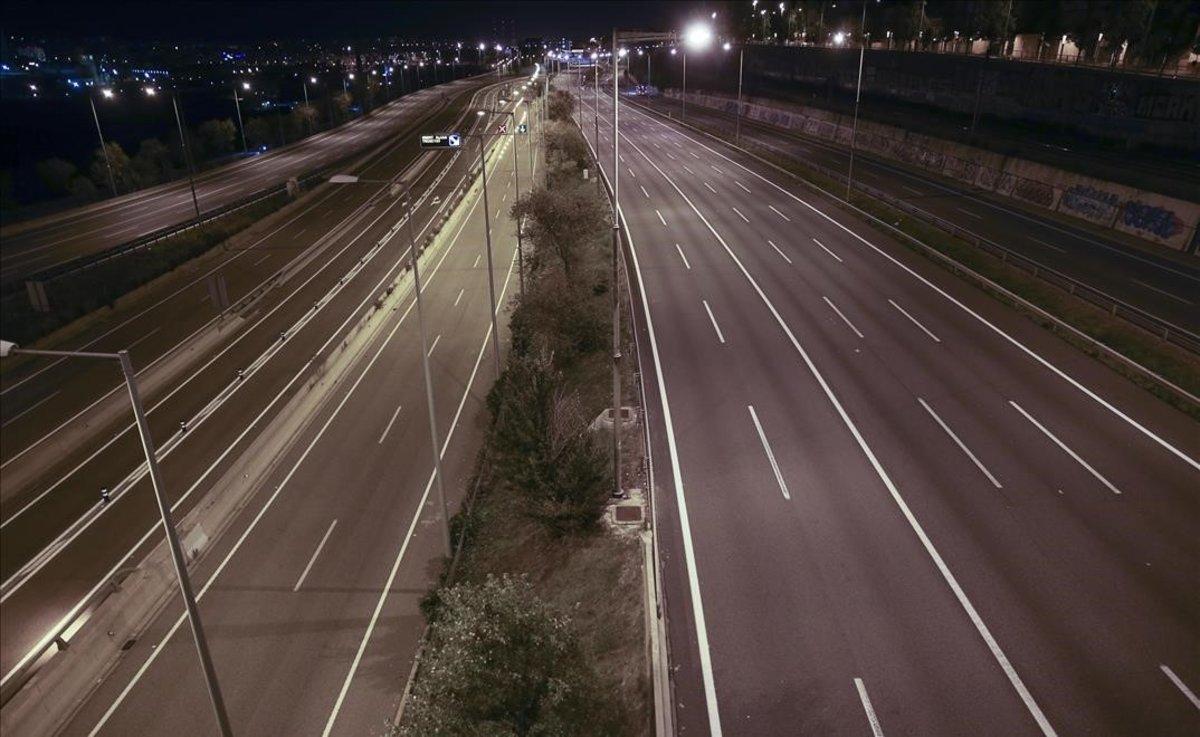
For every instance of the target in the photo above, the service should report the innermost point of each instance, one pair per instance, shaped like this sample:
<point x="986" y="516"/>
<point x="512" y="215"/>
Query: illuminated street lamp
<point x="238" y="106"/>
<point x="108" y="95"/>
<point x="187" y="156"/>
<point x="697" y="37"/>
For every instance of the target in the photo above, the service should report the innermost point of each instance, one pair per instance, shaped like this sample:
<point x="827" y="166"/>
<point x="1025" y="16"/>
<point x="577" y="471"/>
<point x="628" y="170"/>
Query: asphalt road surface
<point x="311" y="600"/>
<point x="1166" y="286"/>
<point x="58" y="542"/>
<point x="39" y="244"/>
<point x="888" y="504"/>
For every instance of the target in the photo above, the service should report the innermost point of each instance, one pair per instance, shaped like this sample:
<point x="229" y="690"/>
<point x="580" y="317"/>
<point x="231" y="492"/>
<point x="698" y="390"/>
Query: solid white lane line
<point x="395" y="414"/>
<point x="434" y="343"/>
<point x="844" y="318"/>
<point x="460" y="294"/>
<point x="914" y="321"/>
<point x="876" y="729"/>
<point x="762" y="436"/>
<point x="744" y="187"/>
<point x="981" y="627"/>
<point x="412" y="525"/>
<point x="739" y="212"/>
<point x="780" y="214"/>
<point x="716" y="327"/>
<point x="644" y="191"/>
<point x="1047" y="245"/>
<point x="1179" y="684"/>
<point x="474" y="265"/>
<point x="961" y="445"/>
<point x="144" y="336"/>
<point x="685" y="261"/>
<point x="1164" y="444"/>
<point x="661" y="219"/>
<point x="781" y="253"/>
<point x="313" y="559"/>
<point x="965" y="211"/>
<point x="30" y="408"/>
<point x="1175" y="297"/>
<point x="824" y="248"/>
<point x="1067" y="450"/>
<point x="710" y="188"/>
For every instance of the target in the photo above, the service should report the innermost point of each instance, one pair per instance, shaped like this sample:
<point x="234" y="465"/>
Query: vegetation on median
<point x="538" y="627"/>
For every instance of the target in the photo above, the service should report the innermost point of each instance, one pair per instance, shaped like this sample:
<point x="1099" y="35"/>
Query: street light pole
<point x="487" y="233"/>
<point x="616" y="276"/>
<point x="238" y="106"/>
<point x="737" y="126"/>
<point x="112" y="183"/>
<point x="683" y="106"/>
<point x="862" y="45"/>
<point x="187" y="155"/>
<point x="164" y="509"/>
<point x="516" y="175"/>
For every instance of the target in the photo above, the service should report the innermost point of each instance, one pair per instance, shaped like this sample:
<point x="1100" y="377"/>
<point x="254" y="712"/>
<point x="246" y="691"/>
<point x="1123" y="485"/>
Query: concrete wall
<point x="1153" y="217"/>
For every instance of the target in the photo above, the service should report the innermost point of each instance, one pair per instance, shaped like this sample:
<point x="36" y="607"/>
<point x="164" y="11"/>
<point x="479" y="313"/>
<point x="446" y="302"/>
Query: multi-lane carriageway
<point x="283" y="342"/>
<point x="887" y="503"/>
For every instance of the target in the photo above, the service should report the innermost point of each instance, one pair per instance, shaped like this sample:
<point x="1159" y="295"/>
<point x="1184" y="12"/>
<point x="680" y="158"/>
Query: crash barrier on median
<point x="1165" y="221"/>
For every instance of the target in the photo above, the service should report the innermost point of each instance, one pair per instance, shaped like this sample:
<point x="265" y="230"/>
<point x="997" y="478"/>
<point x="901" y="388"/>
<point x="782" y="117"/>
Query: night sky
<point x="251" y="21"/>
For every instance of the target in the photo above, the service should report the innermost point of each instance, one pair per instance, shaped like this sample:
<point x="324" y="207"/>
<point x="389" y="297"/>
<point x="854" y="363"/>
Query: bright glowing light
<point x="593" y="56"/>
<point x="482" y="47"/>
<point x="351" y="75"/>
<point x="727" y="46"/>
<point x="245" y="85"/>
<point x="639" y="52"/>
<point x="107" y="93"/>
<point x="622" y="52"/>
<point x="672" y="52"/>
<point x="839" y="38"/>
<point x="698" y="36"/>
<point x="499" y="47"/>
<point x="312" y="80"/>
<point x="150" y="91"/>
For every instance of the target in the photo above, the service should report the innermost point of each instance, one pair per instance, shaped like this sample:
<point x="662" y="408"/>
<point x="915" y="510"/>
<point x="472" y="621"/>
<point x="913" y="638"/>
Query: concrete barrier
<point x="1157" y="218"/>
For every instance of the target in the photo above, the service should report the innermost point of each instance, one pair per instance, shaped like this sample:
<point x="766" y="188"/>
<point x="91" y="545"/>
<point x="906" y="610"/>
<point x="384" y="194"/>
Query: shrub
<point x="501" y="661"/>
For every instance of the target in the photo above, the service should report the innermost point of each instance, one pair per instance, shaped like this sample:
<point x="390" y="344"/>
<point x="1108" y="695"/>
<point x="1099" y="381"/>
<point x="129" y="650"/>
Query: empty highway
<point x="888" y="504"/>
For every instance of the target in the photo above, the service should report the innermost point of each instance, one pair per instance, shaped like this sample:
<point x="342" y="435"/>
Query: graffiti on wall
<point x="1026" y="189"/>
<point x="1151" y="219"/>
<point x="1089" y="202"/>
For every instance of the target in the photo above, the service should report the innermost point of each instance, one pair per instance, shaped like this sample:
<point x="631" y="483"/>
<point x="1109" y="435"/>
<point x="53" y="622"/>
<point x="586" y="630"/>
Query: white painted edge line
<point x="685" y="261"/>
<point x="771" y="243"/>
<point x="1067" y="450"/>
<point x="700" y="623"/>
<point x="957" y="303"/>
<point x="739" y="214"/>
<point x="661" y="219"/>
<point x="30" y="408"/>
<point x="387" y="587"/>
<point x="1179" y="684"/>
<point x="904" y="312"/>
<point x="826" y="249"/>
<point x="744" y="187"/>
<point x="981" y="627"/>
<point x="716" y="327"/>
<point x="780" y="214"/>
<point x="762" y="436"/>
<point x="1163" y="292"/>
<point x="313" y="559"/>
<point x="391" y="421"/>
<point x="433" y="344"/>
<point x="844" y="318"/>
<point x="961" y="445"/>
<point x="876" y="729"/>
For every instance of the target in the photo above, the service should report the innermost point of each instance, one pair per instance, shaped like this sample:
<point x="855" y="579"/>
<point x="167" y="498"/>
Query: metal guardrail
<point x="1151" y="323"/>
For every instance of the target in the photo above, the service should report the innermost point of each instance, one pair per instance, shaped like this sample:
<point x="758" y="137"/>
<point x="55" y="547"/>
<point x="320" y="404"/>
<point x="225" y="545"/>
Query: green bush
<point x="502" y="662"/>
<point x="544" y="451"/>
